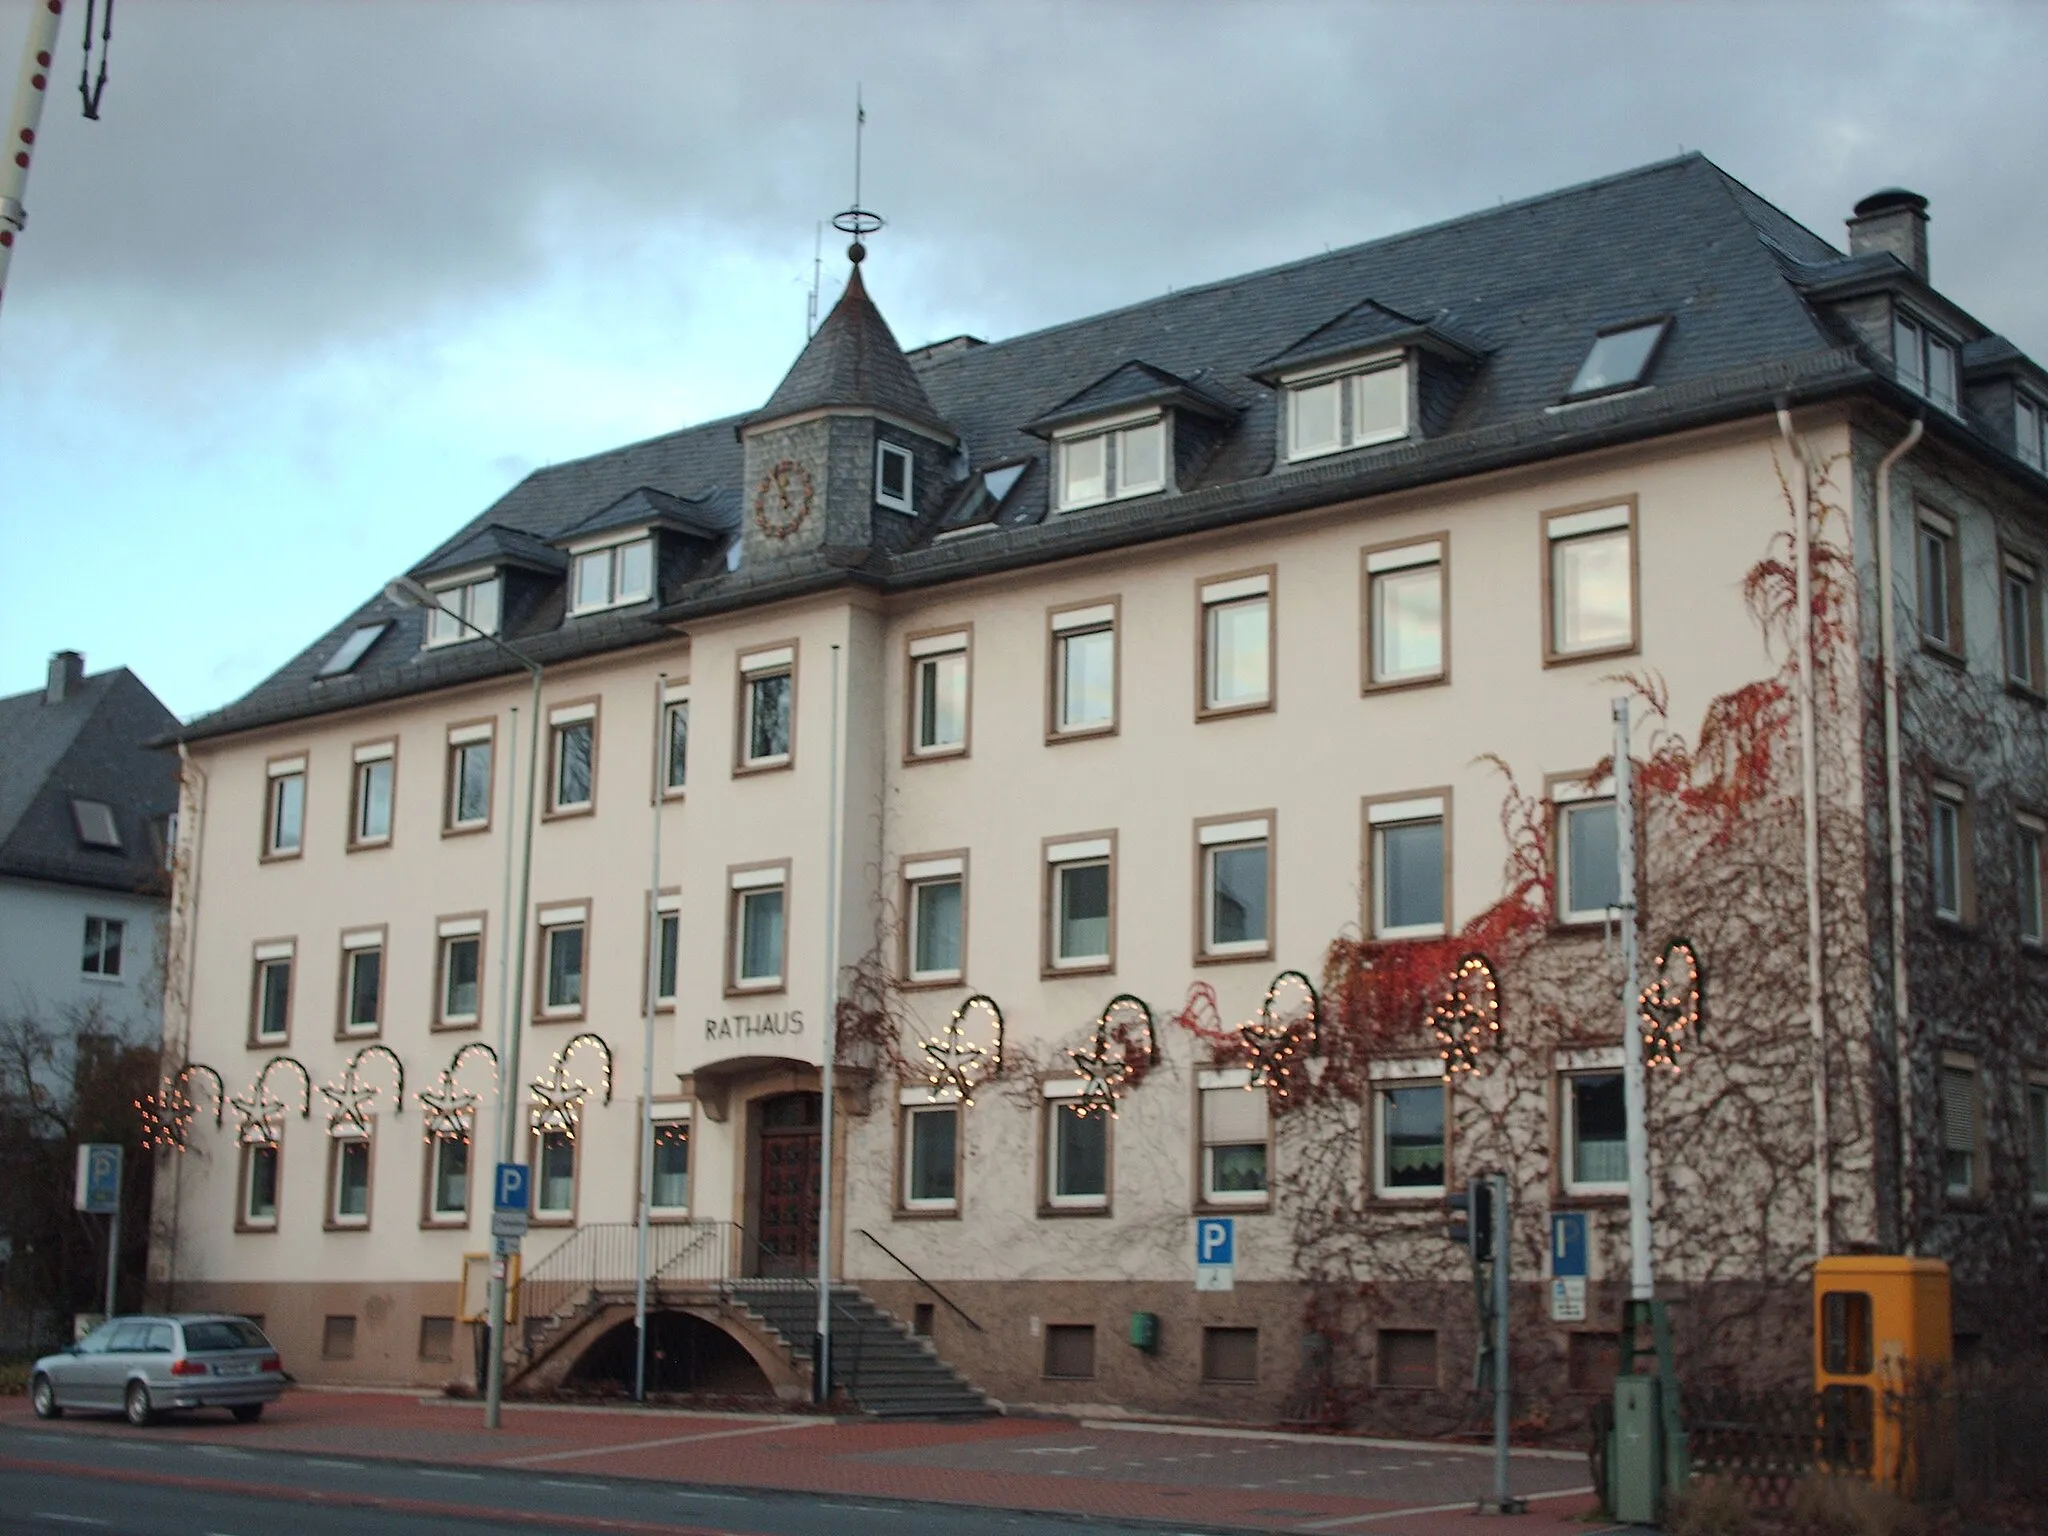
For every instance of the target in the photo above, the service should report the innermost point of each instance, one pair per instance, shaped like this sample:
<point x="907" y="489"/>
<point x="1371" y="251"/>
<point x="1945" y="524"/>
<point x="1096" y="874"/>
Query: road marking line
<point x="51" y="1514"/>
<point x="1216" y="1432"/>
<point x="710" y="1498"/>
<point x="323" y="1461"/>
<point x="469" y="1477"/>
<point x="579" y="1485"/>
<point x="1428" y="1509"/>
<point x="650" y="1445"/>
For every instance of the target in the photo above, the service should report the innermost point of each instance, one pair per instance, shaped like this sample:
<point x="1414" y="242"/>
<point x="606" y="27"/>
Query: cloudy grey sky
<point x="327" y="278"/>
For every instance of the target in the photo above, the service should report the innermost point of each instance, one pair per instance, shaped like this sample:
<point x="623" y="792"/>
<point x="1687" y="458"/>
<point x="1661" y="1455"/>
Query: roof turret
<point x="853" y="361"/>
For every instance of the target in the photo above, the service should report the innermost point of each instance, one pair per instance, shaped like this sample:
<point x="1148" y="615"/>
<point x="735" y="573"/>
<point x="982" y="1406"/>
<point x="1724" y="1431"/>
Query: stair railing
<point x="605" y="1256"/>
<point x="951" y="1305"/>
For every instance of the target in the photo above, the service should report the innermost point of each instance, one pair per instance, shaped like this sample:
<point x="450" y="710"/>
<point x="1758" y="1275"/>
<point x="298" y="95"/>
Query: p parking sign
<point x="1215" y="1253"/>
<point x="98" y="1191"/>
<point x="510" y="1190"/>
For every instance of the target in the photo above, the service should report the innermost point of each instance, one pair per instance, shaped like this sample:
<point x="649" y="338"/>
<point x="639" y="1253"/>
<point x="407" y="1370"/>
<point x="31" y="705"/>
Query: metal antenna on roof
<point x="857" y="221"/>
<point x="817" y="267"/>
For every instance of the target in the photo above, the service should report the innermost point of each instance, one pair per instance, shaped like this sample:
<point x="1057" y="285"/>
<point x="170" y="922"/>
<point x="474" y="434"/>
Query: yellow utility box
<point x="1880" y="1361"/>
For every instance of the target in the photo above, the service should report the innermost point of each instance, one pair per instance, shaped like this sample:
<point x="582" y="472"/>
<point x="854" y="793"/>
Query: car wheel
<point x="42" y="1395"/>
<point x="247" y="1413"/>
<point x="137" y="1405"/>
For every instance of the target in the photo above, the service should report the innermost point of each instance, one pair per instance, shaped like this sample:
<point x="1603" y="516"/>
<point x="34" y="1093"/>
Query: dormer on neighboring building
<point x="1136" y="431"/>
<point x="2007" y="395"/>
<point x="1371" y="376"/>
<point x="848" y="437"/>
<point x="495" y="579"/>
<point x="636" y="549"/>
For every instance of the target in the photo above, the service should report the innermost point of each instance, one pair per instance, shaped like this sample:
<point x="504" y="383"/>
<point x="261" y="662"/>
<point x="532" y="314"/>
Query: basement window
<point x="1619" y="359"/>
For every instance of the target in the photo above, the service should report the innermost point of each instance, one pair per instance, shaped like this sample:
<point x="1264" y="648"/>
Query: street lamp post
<point x="411" y="594"/>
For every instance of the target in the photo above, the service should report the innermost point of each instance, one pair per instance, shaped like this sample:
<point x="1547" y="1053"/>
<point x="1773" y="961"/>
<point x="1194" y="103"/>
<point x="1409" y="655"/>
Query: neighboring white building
<point x="1171" y="647"/>
<point x="85" y="824"/>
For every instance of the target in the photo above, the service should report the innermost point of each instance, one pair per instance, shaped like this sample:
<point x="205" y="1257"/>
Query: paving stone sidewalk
<point x="1189" y="1477"/>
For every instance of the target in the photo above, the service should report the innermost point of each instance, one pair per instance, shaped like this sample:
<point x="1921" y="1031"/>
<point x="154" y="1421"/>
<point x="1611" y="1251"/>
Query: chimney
<point x="67" y="671"/>
<point x="1892" y="220"/>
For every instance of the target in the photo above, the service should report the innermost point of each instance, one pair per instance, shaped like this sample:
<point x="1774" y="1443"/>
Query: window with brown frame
<point x="259" y="1189"/>
<point x="931" y="1157"/>
<point x="458" y="972"/>
<point x="362" y="982"/>
<point x="935" y="919"/>
<point x="284" y="809"/>
<point x="270" y="1006"/>
<point x="1080" y="904"/>
<point x="2021" y="613"/>
<point x="1408" y="866"/>
<point x="468" y="807"/>
<point x="1590" y="572"/>
<point x="1235" y="883"/>
<point x="1405" y="614"/>
<point x="1082" y="687"/>
<point x="1237" y="644"/>
<point x="1962" y="1141"/>
<point x="757" y="939"/>
<point x="572" y="772"/>
<point x="1951" y="876"/>
<point x="370" y="797"/>
<point x="2031" y="857"/>
<point x="767" y="709"/>
<point x="348" y="1181"/>
<point x="448" y="1180"/>
<point x="564" y="960"/>
<point x="939" y="692"/>
<point x="1940" y="575"/>
<point x="1235" y="1138"/>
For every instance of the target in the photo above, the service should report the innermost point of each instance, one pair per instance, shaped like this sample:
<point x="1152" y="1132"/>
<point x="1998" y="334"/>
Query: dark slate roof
<point x="1368" y="325"/>
<point x="645" y="507"/>
<point x="853" y="361"/>
<point x="1521" y="288"/>
<point x="91" y="745"/>
<point x="493" y="544"/>
<point x="1128" y="387"/>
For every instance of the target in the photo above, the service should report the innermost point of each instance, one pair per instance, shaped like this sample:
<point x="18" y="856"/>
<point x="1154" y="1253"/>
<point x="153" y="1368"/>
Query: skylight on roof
<point x="1000" y="482"/>
<point x="351" y="650"/>
<point x="1619" y="359"/>
<point x="95" y="819"/>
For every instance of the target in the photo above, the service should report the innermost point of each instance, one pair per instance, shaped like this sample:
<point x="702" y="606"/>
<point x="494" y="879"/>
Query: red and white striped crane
<point x="38" y="60"/>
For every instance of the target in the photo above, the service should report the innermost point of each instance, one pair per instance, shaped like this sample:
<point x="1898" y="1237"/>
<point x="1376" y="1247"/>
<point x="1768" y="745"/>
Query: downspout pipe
<point x="1809" y="807"/>
<point x="1904" y="1234"/>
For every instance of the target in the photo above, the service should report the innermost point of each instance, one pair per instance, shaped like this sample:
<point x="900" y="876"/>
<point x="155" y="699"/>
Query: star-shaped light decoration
<point x="1280" y="1039"/>
<point x="1121" y="1050"/>
<point x="557" y="1100"/>
<point x="261" y="1113"/>
<point x="1671" y="1004"/>
<point x="958" y="1065"/>
<point x="347" y="1118"/>
<point x="166" y="1116"/>
<point x="450" y="1111"/>
<point x="1466" y="1017"/>
<point x="1101" y="1068"/>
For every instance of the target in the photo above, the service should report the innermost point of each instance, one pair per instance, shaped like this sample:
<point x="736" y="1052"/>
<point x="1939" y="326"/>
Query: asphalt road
<point x="52" y="1481"/>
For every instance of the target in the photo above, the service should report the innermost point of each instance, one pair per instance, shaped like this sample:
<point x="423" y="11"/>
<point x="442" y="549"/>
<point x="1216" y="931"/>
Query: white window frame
<point x="1915" y="346"/>
<point x="672" y="1118"/>
<point x="267" y="956"/>
<point x="668" y="914"/>
<point x="1110" y="438"/>
<point x="1220" y="837"/>
<point x="456" y="605"/>
<point x="280" y="773"/>
<point x="561" y="722"/>
<point x="555" y="1213"/>
<point x="2030" y="431"/>
<point x="1387" y="1077"/>
<point x="755" y="669"/>
<point x="1061" y="1095"/>
<point x="353" y="946"/>
<point x="1217" y="597"/>
<point x="1568" y="799"/>
<point x="1604" y="1061"/>
<point x="929" y="654"/>
<point x="746" y="886"/>
<point x="1953" y="1067"/>
<point x="266" y="1222"/>
<point x="1386" y="565"/>
<point x="381" y="756"/>
<point x="340" y="1150"/>
<point x="2030" y="838"/>
<point x="885" y="454"/>
<point x="1560" y="531"/>
<point x="919" y="876"/>
<point x="1078" y="624"/>
<point x="914" y="1103"/>
<point x="675" y="775"/>
<point x="1221" y="1081"/>
<point x="92" y="960"/>
<point x="1949" y="803"/>
<point x="437" y="1213"/>
<point x="2036" y="1105"/>
<point x="463" y="740"/>
<point x="1418" y="811"/>
<point x="449" y="932"/>
<point x="1349" y="378"/>
<point x="2026" y="576"/>
<point x="1936" y="530"/>
<point x="553" y="922"/>
<point x="614" y="557"/>
<point x="1061" y="859"/>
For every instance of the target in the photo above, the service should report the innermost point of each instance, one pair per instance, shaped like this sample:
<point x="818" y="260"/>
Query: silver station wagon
<point x="143" y="1366"/>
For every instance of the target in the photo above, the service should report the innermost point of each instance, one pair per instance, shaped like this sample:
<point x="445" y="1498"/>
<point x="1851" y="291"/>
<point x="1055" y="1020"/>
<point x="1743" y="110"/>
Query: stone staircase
<point x="882" y="1368"/>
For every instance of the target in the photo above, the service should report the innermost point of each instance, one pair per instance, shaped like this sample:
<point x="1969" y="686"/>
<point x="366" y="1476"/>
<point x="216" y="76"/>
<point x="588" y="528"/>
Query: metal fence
<point x="1766" y="1442"/>
<point x="603" y="1259"/>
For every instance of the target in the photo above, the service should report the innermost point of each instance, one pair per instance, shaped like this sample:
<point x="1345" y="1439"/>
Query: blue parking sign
<point x="1568" y="1245"/>
<point x="1216" y="1240"/>
<point x="98" y="1190"/>
<point x="510" y="1187"/>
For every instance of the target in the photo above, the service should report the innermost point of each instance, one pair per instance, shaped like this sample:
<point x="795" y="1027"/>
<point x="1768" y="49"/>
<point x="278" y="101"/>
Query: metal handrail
<point x="607" y="1254"/>
<point x="920" y="1279"/>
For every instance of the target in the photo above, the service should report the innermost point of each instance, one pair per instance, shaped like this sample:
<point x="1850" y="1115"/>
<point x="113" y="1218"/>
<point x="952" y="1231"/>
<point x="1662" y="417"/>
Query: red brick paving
<point x="1250" y="1482"/>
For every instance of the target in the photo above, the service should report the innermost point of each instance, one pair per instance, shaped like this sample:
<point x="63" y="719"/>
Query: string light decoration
<point x="1279" y="1040"/>
<point x="262" y="1112"/>
<point x="167" y="1114"/>
<point x="1466" y="1017"/>
<point x="448" y="1110"/>
<point x="353" y="1098"/>
<point x="1122" y="1047"/>
<point x="956" y="1064"/>
<point x="1671" y="1005"/>
<point x="557" y="1098"/>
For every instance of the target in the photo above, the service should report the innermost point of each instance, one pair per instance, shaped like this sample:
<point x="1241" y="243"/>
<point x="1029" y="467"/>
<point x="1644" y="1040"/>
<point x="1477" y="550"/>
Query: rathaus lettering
<point x="744" y="1026"/>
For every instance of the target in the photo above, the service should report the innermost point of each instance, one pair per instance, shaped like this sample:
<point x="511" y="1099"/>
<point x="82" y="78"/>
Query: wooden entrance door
<point x="788" y="1177"/>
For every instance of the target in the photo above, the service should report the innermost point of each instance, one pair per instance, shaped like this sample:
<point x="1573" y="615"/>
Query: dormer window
<point x="892" y="478"/>
<point x="1109" y="462"/>
<point x="1619" y="358"/>
<point x="461" y="611"/>
<point x="613" y="577"/>
<point x="2030" y="432"/>
<point x="1355" y="406"/>
<point x="1924" y="362"/>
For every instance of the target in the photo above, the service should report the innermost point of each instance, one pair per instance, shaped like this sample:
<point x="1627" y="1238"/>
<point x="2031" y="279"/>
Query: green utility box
<point x="1635" y="1461"/>
<point x="1145" y="1331"/>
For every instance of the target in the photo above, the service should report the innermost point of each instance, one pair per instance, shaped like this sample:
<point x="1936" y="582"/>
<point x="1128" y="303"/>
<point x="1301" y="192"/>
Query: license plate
<point x="242" y="1368"/>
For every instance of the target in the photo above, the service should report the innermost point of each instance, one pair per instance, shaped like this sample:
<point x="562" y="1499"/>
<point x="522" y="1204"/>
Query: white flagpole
<point x="647" y="1048"/>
